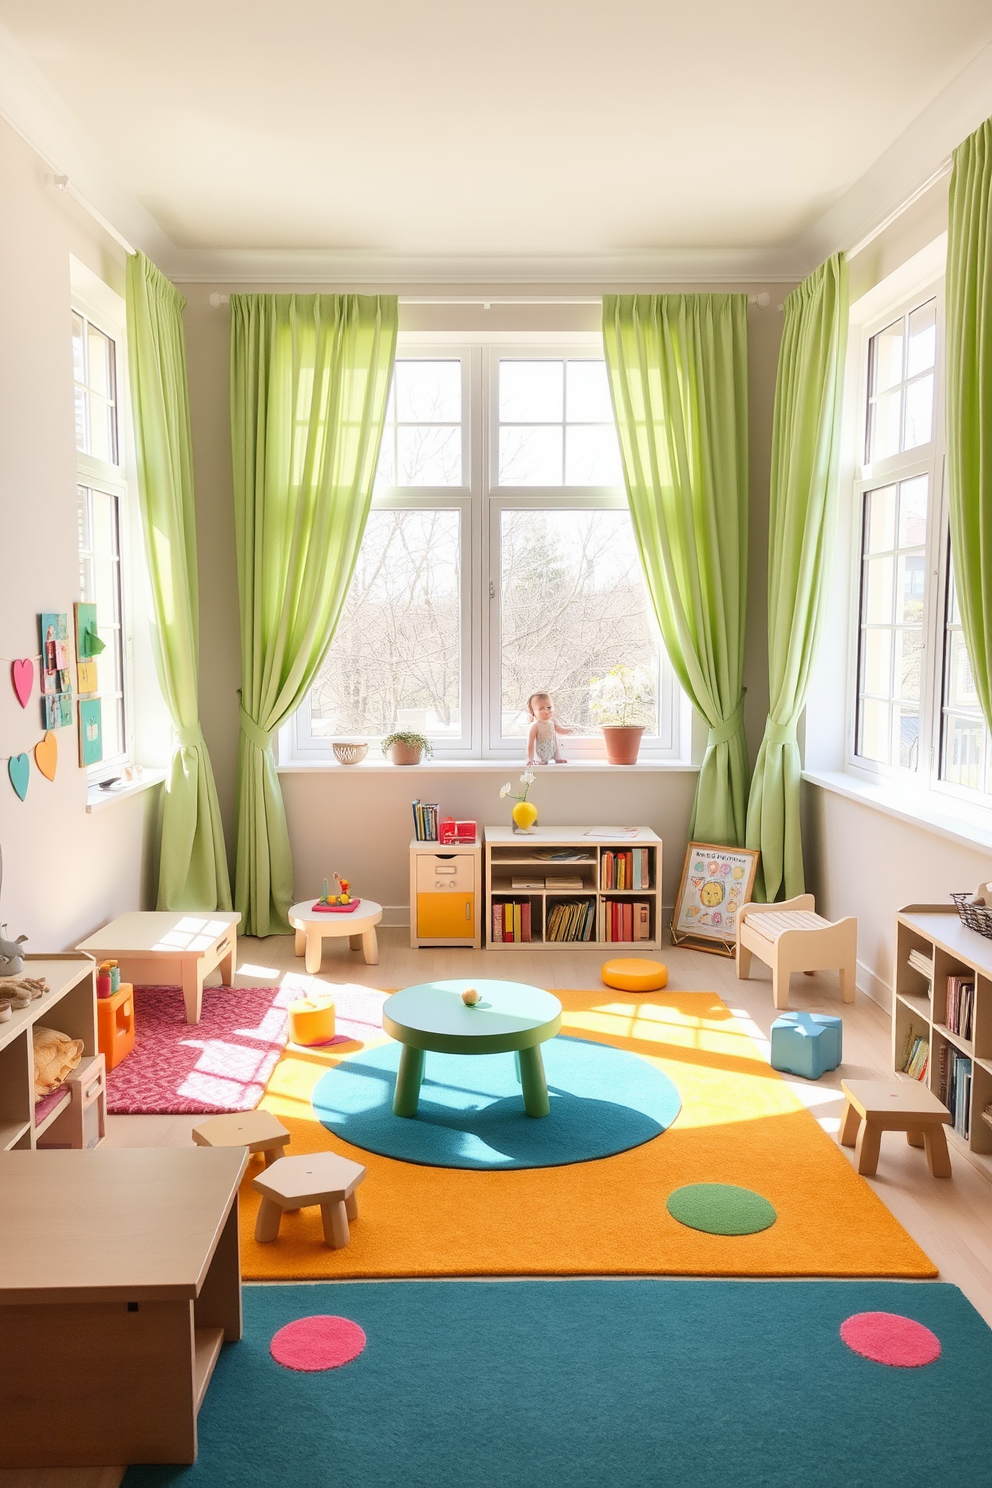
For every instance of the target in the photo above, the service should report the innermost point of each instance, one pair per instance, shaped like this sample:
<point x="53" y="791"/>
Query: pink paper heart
<point x="22" y="676"/>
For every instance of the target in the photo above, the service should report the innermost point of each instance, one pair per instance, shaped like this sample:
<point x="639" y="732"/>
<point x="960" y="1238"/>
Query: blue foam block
<point x="806" y="1044"/>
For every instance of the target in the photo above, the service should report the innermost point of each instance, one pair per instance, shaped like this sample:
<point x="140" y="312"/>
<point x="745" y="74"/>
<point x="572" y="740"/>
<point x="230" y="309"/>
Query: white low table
<point x="312" y="928"/>
<point x="157" y="946"/>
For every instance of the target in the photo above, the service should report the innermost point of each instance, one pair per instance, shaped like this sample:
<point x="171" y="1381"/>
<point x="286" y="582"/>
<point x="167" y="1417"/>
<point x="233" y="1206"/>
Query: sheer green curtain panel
<point x="969" y="398"/>
<point x="802" y="510"/>
<point x="193" y="870"/>
<point x="310" y="377"/>
<point x="678" y="376"/>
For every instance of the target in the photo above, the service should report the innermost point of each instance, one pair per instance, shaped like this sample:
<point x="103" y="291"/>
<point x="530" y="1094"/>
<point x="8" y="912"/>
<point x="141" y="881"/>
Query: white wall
<point x="66" y="871"/>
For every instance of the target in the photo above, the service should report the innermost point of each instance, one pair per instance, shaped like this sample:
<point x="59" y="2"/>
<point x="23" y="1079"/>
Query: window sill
<point x="950" y="818"/>
<point x="491" y="766"/>
<point x="97" y="799"/>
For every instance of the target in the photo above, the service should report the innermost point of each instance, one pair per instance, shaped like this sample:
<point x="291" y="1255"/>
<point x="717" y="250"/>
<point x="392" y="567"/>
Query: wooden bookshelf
<point x="512" y="855"/>
<point x="70" y="1006"/>
<point x="920" y="1009"/>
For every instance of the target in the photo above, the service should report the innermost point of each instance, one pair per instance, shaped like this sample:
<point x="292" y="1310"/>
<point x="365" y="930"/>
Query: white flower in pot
<point x="622" y="702"/>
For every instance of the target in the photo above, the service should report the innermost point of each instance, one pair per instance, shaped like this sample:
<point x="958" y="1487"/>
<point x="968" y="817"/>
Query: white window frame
<point x="931" y="459"/>
<point x="481" y="500"/>
<point x="104" y="309"/>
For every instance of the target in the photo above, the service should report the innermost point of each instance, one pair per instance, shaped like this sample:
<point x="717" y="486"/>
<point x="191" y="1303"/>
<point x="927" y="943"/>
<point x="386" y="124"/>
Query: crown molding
<point x="35" y="111"/>
<point x="912" y="159"/>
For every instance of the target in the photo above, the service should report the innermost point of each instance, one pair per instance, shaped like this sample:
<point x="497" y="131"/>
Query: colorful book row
<point x="955" y="1087"/>
<point x="629" y="869"/>
<point x="571" y="922"/>
<point x="626" y="920"/>
<point x="425" y="821"/>
<point x="917" y="1058"/>
<point x="512" y="921"/>
<point x="960" y="1005"/>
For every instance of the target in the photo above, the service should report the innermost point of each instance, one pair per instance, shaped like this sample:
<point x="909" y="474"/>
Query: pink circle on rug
<point x="314" y="1343"/>
<point x="888" y="1338"/>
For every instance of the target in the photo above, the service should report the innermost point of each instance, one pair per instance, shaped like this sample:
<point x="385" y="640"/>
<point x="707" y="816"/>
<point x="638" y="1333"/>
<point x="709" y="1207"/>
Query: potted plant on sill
<point x="406" y="748"/>
<point x="618" y="700"/>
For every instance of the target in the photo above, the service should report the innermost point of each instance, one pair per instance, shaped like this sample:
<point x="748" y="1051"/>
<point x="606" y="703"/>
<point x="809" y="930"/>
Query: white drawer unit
<point x="445" y="883"/>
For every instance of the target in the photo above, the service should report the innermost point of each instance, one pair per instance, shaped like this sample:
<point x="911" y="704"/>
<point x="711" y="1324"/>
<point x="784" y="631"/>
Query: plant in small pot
<point x="622" y="704"/>
<point x="405" y="748"/>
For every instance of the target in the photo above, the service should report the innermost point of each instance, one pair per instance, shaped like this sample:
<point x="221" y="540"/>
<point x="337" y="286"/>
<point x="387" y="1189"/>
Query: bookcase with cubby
<point x="937" y="960"/>
<point x="562" y="887"/>
<point x="69" y="1005"/>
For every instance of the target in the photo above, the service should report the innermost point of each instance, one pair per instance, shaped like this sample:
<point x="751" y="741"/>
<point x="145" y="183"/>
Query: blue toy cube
<point x="806" y="1044"/>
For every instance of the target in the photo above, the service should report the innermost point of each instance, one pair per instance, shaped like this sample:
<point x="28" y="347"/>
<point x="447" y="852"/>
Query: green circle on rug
<point x="720" y="1209"/>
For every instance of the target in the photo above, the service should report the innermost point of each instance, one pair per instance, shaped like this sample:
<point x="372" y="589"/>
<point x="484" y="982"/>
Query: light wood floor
<point x="950" y="1218"/>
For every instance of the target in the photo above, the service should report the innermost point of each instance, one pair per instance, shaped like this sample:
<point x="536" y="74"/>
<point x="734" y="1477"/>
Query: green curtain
<point x="969" y="398"/>
<point x="193" y="864"/>
<point x="802" y="507"/>
<point x="310" y="376"/>
<point x="678" y="376"/>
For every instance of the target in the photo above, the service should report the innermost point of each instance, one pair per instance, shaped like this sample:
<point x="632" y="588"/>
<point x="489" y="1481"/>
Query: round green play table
<point x="510" y="1018"/>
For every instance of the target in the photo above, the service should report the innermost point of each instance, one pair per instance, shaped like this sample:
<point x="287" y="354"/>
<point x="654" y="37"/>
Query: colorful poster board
<point x="716" y="881"/>
<point x="88" y="648"/>
<point x="56" y="678"/>
<point x="90" y="731"/>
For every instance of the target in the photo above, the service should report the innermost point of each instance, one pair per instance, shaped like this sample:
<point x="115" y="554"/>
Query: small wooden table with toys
<point x="334" y="915"/>
<point x="155" y="946"/>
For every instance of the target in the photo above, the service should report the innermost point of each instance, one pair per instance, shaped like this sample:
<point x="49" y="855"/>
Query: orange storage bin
<point x="115" y="1024"/>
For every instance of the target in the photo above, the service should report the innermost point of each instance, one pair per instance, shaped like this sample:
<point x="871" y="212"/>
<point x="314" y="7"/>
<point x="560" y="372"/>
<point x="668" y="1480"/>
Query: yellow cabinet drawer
<point x="446" y="916"/>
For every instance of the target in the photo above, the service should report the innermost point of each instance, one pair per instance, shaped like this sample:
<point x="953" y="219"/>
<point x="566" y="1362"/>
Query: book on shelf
<point x="571" y="922"/>
<point x="562" y="855"/>
<point x="958" y="1097"/>
<point x="511" y="922"/>
<point x="526" y="883"/>
<point x="425" y="821"/>
<point x="917" y="1058"/>
<point x="960" y="1006"/>
<point x="560" y="882"/>
<point x="627" y="920"/>
<point x="627" y="868"/>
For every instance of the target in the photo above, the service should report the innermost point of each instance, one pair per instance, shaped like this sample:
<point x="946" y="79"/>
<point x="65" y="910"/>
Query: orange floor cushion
<point x="633" y="974"/>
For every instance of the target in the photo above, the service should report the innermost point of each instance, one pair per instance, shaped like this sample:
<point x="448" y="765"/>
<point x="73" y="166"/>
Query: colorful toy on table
<point x="108" y="980"/>
<point x="339" y="903"/>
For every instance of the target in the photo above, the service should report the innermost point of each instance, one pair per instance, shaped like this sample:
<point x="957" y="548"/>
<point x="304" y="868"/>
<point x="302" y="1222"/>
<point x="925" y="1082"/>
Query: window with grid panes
<point x="101" y="492"/>
<point x="499" y="560"/>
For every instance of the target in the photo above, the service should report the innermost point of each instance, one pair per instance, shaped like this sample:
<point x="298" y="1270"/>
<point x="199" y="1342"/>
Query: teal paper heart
<point x="19" y="770"/>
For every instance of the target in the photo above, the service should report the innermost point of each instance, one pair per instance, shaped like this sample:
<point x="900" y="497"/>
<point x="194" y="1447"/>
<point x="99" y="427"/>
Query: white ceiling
<point x="552" y="129"/>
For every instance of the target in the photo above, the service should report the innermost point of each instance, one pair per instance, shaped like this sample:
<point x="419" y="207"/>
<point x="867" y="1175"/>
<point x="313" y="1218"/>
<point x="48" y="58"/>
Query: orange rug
<point x="740" y="1123"/>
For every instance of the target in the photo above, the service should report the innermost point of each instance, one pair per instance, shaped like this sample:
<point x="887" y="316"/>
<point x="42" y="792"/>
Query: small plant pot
<point x="405" y="754"/>
<point x="622" y="743"/>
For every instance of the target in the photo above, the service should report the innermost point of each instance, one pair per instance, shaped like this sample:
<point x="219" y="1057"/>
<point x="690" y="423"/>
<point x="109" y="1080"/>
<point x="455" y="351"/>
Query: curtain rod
<point x="943" y="169"/>
<point x="762" y="300"/>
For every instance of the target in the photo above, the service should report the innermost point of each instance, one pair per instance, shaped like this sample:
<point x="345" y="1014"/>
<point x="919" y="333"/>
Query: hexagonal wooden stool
<point x="259" y="1131"/>
<point x="319" y="1178"/>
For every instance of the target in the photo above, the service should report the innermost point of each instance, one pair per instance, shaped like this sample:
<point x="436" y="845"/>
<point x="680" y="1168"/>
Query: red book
<point x="525" y="920"/>
<point x="628" y="921"/>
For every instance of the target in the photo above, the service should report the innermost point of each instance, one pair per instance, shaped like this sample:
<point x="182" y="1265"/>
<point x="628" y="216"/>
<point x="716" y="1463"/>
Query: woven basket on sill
<point x="350" y="754"/>
<point x="975" y="916"/>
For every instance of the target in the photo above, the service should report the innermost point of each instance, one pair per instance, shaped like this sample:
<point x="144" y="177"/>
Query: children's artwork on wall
<point x="54" y="642"/>
<point x="716" y="881"/>
<point x="58" y="710"/>
<point x="90" y="731"/>
<point x="88" y="648"/>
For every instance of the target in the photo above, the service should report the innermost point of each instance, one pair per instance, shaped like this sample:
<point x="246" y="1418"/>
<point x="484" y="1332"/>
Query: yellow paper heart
<point x="46" y="755"/>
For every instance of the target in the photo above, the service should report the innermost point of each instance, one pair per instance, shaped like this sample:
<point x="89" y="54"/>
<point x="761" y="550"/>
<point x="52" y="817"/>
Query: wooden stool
<point x="258" y="1131"/>
<point x="320" y="1178"/>
<point x="790" y="937"/>
<point x="894" y="1105"/>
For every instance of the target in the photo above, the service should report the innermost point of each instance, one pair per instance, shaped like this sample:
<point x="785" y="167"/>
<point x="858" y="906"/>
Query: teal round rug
<point x="720" y="1209"/>
<point x="471" y="1115"/>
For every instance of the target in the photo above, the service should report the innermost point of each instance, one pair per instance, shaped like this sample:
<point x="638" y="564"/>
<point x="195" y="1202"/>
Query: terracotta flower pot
<point x="405" y="754"/>
<point x="622" y="743"/>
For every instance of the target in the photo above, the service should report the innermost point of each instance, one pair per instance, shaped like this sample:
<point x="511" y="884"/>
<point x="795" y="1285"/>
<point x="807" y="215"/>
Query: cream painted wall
<point x="363" y="821"/>
<point x="66" y="871"/>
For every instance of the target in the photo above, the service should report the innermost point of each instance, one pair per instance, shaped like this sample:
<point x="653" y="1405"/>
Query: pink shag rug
<point x="223" y="1062"/>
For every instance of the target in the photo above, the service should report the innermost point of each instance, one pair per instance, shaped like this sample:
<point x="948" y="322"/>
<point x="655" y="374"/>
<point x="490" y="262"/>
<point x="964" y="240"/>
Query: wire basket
<point x="350" y="754"/>
<point x="975" y="916"/>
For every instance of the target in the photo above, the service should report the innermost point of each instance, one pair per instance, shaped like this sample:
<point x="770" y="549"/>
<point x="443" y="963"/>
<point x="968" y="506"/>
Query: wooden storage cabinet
<point x="445" y="891"/>
<point x="69" y="1006"/>
<point x="511" y="855"/>
<point x="936" y="931"/>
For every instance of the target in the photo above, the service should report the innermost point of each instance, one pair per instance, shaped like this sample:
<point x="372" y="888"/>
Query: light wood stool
<point x="258" y="1131"/>
<point x="319" y="1178"/>
<point x="889" y="1105"/>
<point x="790" y="937"/>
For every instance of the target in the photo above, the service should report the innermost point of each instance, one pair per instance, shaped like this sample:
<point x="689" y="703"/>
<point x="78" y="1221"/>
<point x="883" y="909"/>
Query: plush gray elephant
<point x="11" y="961"/>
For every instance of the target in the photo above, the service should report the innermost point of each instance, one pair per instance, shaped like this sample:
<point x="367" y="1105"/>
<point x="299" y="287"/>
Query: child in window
<point x="542" y="741"/>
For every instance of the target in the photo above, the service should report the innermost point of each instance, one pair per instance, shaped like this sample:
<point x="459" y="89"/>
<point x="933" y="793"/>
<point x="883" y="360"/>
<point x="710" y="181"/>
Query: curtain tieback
<point x="261" y="738"/>
<point x="189" y="738"/>
<point x="722" y="733"/>
<point x="779" y="733"/>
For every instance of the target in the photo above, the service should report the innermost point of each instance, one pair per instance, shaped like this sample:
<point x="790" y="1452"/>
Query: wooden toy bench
<point x="790" y="937"/>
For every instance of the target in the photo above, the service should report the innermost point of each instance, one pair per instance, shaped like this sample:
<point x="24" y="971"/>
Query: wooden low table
<point x="510" y="1018"/>
<point x="313" y="928"/>
<point x="894" y="1105"/>
<point x="316" y="1178"/>
<point x="155" y="946"/>
<point x="255" y="1131"/>
<point x="119" y="1282"/>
